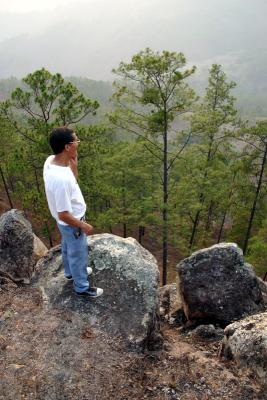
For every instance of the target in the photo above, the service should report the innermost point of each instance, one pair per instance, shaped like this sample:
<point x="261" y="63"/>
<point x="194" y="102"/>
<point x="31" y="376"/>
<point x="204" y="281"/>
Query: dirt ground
<point x="55" y="355"/>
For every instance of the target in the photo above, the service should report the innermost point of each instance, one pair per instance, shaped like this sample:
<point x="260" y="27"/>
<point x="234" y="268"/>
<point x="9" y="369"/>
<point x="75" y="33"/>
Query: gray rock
<point x="246" y="342"/>
<point x="129" y="276"/>
<point x="263" y="288"/>
<point x="208" y="332"/>
<point x="20" y="248"/>
<point x="216" y="284"/>
<point x="170" y="300"/>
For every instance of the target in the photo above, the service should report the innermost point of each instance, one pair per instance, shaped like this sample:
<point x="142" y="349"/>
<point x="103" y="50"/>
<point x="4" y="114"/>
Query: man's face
<point x="72" y="147"/>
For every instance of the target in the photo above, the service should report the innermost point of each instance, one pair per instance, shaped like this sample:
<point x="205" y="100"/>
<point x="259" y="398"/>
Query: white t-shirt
<point x="62" y="191"/>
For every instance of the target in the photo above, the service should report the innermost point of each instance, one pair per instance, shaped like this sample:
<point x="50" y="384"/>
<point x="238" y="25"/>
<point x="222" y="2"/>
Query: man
<point x="67" y="206"/>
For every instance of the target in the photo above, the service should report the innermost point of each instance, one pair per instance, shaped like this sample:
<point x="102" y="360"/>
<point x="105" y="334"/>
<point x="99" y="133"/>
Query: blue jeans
<point x="75" y="256"/>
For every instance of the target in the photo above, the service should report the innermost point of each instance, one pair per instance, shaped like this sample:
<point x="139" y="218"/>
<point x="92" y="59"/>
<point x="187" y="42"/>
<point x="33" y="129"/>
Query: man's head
<point x="62" y="139"/>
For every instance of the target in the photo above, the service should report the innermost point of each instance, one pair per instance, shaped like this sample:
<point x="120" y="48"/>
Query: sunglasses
<point x="75" y="141"/>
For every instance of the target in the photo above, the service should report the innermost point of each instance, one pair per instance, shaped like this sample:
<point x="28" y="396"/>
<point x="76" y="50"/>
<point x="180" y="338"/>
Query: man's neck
<point x="61" y="159"/>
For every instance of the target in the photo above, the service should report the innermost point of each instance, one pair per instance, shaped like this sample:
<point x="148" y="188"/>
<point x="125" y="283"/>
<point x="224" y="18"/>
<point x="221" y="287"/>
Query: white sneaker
<point x="89" y="272"/>
<point x="92" y="292"/>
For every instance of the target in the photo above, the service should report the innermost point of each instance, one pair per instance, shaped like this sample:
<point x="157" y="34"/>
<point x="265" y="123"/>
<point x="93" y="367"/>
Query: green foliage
<point x="205" y="172"/>
<point x="257" y="251"/>
<point x="127" y="184"/>
<point x="212" y="125"/>
<point x="44" y="101"/>
<point x="151" y="94"/>
<point x="157" y="82"/>
<point x="255" y="152"/>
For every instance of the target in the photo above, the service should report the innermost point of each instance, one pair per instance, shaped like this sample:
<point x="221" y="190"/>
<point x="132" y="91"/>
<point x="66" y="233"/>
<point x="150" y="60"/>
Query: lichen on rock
<point x="20" y="248"/>
<point x="216" y="284"/>
<point x="129" y="276"/>
<point x="246" y="342"/>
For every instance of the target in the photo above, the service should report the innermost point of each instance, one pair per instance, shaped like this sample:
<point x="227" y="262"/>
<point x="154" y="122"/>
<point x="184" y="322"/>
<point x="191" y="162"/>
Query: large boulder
<point x="246" y="342"/>
<point x="129" y="276"/>
<point x="216" y="284"/>
<point x="20" y="248"/>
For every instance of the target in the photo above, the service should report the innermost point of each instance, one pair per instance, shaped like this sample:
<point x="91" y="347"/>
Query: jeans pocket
<point x="77" y="232"/>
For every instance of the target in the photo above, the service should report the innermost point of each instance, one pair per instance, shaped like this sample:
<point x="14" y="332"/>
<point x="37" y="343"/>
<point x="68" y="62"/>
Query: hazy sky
<point x="30" y="5"/>
<point x="90" y="37"/>
<point x="25" y="6"/>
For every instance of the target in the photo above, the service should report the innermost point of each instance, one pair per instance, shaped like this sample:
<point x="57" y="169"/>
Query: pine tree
<point x="148" y="100"/>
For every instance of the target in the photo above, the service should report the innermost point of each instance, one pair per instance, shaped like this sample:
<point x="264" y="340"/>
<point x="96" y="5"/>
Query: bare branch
<point x="155" y="155"/>
<point x="14" y="124"/>
<point x="180" y="151"/>
<point x="251" y="144"/>
<point x="137" y="134"/>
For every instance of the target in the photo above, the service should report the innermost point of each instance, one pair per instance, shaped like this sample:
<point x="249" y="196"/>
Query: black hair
<point x="59" y="137"/>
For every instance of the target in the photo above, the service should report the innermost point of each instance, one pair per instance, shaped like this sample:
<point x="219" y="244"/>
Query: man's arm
<point x="66" y="217"/>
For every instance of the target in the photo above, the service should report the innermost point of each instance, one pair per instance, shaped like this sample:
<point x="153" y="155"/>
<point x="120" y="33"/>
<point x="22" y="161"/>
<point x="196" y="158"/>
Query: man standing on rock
<point x="67" y="206"/>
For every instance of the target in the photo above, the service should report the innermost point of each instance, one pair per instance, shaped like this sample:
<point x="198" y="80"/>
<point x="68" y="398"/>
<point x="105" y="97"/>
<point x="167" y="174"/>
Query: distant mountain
<point x="251" y="93"/>
<point x="89" y="38"/>
<point x="249" y="71"/>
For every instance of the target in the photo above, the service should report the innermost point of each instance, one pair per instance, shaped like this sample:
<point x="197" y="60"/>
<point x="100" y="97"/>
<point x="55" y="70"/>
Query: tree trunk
<point x="107" y="204"/>
<point x="196" y="221"/>
<point x="202" y="195"/>
<point x="10" y="181"/>
<point x="194" y="230"/>
<point x="36" y="180"/>
<point x="254" y="206"/>
<point x="124" y="205"/>
<point x="141" y="232"/>
<point x="209" y="216"/>
<point x="6" y="188"/>
<point x="49" y="234"/>
<point x="227" y="209"/>
<point x="221" y="227"/>
<point x="165" y="204"/>
<point x="124" y="230"/>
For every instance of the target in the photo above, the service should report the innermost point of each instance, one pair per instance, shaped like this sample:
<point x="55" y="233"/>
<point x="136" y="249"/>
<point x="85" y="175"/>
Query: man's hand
<point x="66" y="217"/>
<point x="74" y="166"/>
<point x="87" y="228"/>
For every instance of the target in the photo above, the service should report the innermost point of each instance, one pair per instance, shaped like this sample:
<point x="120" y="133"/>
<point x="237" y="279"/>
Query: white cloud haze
<point x="90" y="37"/>
<point x="25" y="6"/>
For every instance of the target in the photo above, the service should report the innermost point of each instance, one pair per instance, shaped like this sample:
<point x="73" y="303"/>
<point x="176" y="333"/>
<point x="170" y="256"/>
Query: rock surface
<point x="129" y="276"/>
<point x="208" y="332"/>
<point x="246" y="342"/>
<point x="216" y="284"/>
<point x="170" y="301"/>
<point x="20" y="248"/>
<point x="263" y="288"/>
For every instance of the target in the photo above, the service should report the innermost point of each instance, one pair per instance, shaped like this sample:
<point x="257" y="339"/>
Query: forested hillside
<point x="193" y="173"/>
<point x="251" y="94"/>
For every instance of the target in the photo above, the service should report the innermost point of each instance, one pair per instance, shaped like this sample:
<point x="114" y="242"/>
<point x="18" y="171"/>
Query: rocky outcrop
<point x="129" y="276"/>
<point x="20" y="248"/>
<point x="170" y="301"/>
<point x="263" y="288"/>
<point x="216" y="284"/>
<point x="246" y="342"/>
